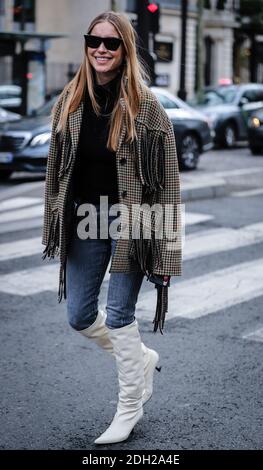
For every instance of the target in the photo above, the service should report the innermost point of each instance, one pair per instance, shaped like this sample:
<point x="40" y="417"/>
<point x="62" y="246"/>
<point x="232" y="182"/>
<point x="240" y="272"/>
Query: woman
<point x="112" y="139"/>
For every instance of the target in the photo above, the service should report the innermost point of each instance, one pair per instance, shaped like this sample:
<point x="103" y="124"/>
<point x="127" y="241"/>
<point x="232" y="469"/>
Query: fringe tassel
<point x="52" y="247"/>
<point x="161" y="308"/>
<point x="149" y="160"/>
<point x="67" y="155"/>
<point x="147" y="254"/>
<point x="62" y="282"/>
<point x="149" y="166"/>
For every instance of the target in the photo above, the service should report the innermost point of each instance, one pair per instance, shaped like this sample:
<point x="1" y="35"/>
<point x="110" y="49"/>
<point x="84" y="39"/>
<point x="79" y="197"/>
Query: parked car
<point x="229" y="107"/>
<point x="191" y="128"/>
<point x="24" y="144"/>
<point x="7" y="116"/>
<point x="10" y="96"/>
<point x="255" y="132"/>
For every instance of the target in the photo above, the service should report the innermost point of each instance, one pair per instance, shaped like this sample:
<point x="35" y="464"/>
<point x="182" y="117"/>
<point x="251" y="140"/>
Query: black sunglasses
<point x="112" y="44"/>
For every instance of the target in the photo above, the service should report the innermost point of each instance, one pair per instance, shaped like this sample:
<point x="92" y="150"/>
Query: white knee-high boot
<point x="99" y="333"/>
<point x="126" y="343"/>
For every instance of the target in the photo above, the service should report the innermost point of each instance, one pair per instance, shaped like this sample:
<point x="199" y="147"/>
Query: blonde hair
<point x="132" y="81"/>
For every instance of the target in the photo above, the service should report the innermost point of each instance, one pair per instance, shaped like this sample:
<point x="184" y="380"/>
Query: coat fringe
<point x="62" y="281"/>
<point x="52" y="246"/>
<point x="147" y="254"/>
<point x="65" y="164"/>
<point x="161" y="308"/>
<point x="149" y="165"/>
<point x="149" y="159"/>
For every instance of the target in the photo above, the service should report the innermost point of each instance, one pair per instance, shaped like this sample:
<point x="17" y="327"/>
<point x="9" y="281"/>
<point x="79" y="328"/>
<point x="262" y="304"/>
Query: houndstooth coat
<point x="147" y="166"/>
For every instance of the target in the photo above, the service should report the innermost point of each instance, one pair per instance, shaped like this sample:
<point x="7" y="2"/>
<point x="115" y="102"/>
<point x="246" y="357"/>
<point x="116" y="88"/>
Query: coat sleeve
<point x="51" y="179"/>
<point x="170" y="246"/>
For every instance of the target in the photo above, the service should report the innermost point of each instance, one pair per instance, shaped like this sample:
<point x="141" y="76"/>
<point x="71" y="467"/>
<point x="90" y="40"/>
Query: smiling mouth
<point x="102" y="59"/>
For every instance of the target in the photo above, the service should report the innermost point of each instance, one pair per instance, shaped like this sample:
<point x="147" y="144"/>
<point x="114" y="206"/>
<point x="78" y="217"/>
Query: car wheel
<point x="189" y="152"/>
<point x="256" y="150"/>
<point x="4" y="174"/>
<point x="229" y="135"/>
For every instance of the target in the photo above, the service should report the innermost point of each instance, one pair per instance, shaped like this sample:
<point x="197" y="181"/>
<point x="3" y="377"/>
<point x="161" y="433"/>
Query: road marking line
<point x="256" y="335"/>
<point x="20" y="188"/>
<point x="192" y="218"/>
<point x="190" y="299"/>
<point x="21" y="225"/>
<point x="22" y="219"/>
<point x="249" y="192"/>
<point x="206" y="242"/>
<point x="33" y="280"/>
<point x="21" y="214"/>
<point x="210" y="293"/>
<point x="30" y="281"/>
<point x="17" y="202"/>
<point x="213" y="241"/>
<point x="20" y="248"/>
<point x="237" y="172"/>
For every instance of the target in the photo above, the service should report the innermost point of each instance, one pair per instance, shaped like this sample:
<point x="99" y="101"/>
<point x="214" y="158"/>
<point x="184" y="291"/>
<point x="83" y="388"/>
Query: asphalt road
<point x="59" y="391"/>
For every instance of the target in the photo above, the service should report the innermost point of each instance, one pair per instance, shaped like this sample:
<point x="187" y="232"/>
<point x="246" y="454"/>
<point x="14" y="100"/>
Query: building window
<point x="24" y="11"/>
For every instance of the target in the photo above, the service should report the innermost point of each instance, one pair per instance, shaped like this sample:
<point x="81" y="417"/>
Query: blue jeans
<point x="86" y="267"/>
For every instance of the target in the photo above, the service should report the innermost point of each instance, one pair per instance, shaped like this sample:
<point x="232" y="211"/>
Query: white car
<point x="8" y="116"/>
<point x="10" y="96"/>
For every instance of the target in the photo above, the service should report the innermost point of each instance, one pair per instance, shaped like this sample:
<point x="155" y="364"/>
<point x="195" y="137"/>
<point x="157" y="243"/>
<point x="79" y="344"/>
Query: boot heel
<point x="158" y="368"/>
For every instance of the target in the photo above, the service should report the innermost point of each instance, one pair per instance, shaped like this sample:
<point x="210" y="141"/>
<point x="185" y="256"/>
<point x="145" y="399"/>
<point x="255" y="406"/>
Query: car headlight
<point x="254" y="122"/>
<point x="40" y="139"/>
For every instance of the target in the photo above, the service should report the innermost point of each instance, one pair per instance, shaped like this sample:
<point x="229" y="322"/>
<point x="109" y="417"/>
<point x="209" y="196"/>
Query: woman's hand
<point x="160" y="279"/>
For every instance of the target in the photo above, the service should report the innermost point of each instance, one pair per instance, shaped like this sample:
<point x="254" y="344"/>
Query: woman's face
<point x="105" y="62"/>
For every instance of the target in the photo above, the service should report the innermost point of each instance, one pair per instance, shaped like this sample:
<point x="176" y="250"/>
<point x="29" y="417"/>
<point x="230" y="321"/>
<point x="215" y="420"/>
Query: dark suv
<point x="228" y="107"/>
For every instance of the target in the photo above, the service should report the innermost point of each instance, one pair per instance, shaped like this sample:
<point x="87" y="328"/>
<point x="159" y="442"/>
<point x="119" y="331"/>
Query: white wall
<point x="222" y="60"/>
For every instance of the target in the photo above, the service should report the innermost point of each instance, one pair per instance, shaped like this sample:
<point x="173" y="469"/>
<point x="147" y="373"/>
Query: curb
<point x="191" y="191"/>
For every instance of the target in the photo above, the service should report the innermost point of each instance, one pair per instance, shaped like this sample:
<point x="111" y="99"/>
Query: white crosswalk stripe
<point x="256" y="335"/>
<point x="20" y="225"/>
<point x="249" y="192"/>
<point x="20" y="248"/>
<point x="30" y="281"/>
<point x="213" y="241"/>
<point x="197" y="244"/>
<point x="212" y="292"/>
<point x="32" y="217"/>
<point x="17" y="202"/>
<point x="21" y="214"/>
<point x="192" y="298"/>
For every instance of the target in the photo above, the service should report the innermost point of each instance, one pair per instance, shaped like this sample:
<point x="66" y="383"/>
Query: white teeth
<point x="102" y="59"/>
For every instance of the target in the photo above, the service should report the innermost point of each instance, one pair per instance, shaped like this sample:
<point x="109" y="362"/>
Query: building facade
<point x="72" y="19"/>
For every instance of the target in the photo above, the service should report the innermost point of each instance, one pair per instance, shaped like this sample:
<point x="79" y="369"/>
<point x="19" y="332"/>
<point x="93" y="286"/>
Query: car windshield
<point x="167" y="102"/>
<point x="219" y="95"/>
<point x="46" y="109"/>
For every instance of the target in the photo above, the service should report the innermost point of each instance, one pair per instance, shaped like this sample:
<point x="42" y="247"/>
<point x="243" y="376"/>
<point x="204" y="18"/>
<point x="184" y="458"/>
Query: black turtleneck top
<point x="95" y="172"/>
